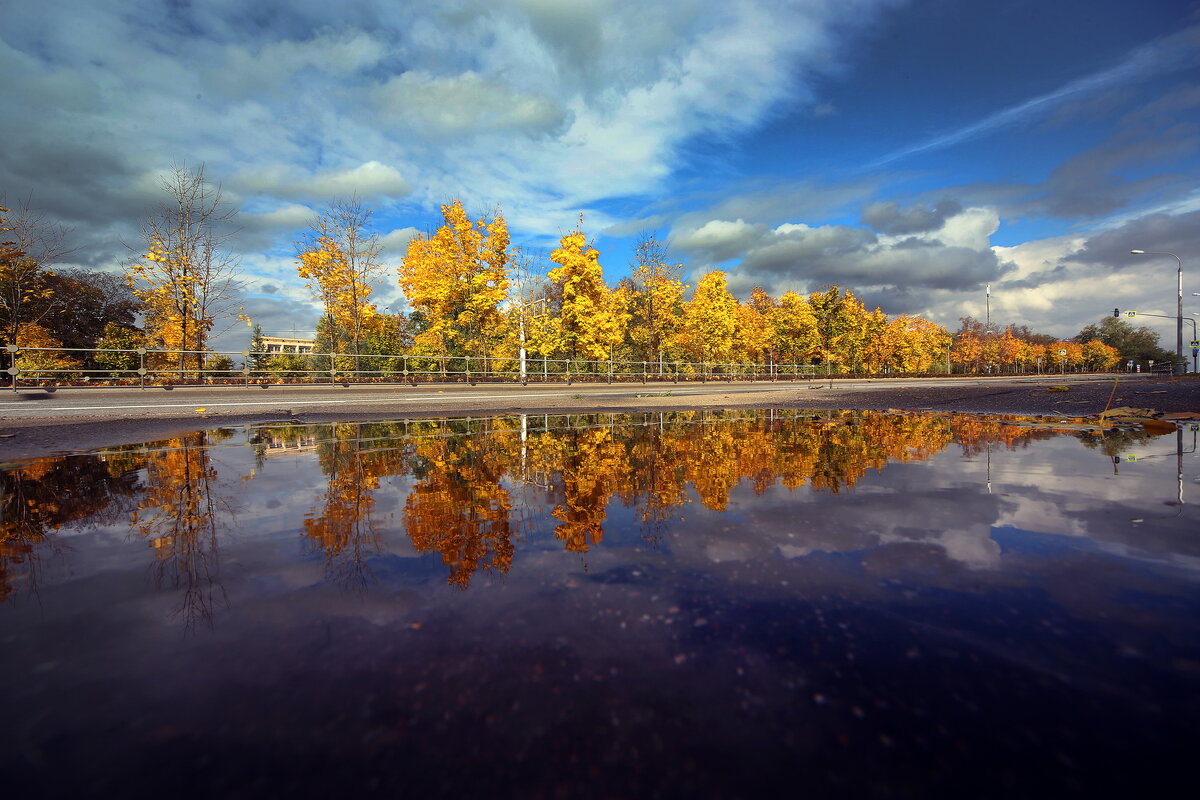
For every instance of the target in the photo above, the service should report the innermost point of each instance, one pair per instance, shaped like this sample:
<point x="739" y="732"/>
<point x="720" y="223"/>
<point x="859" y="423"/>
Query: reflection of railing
<point x="33" y="366"/>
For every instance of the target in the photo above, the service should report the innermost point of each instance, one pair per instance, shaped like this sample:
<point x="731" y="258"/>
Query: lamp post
<point x="521" y="326"/>
<point x="1188" y="320"/>
<point x="1180" y="362"/>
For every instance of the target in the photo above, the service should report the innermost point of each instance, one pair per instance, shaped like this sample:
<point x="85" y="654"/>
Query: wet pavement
<point x="676" y="604"/>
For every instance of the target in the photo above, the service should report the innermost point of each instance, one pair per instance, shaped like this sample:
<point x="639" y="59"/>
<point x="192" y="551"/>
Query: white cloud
<point x="396" y="242"/>
<point x="370" y="179"/>
<point x="719" y="239"/>
<point x="433" y="101"/>
<point x="464" y="105"/>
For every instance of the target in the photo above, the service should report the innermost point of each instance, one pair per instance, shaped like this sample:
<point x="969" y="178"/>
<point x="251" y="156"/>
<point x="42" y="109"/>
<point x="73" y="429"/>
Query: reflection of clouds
<point x="938" y="508"/>
<point x="914" y="509"/>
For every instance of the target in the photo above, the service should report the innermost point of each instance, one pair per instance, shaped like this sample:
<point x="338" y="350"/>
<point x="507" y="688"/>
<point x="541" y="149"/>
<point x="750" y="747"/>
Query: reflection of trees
<point x="471" y="479"/>
<point x="38" y="497"/>
<point x="458" y="507"/>
<point x="179" y="515"/>
<point x="1114" y="442"/>
<point x="354" y="456"/>
<point x="975" y="434"/>
<point x="594" y="467"/>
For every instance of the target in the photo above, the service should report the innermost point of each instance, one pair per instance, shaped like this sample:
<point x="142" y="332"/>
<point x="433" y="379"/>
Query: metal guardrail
<point x="33" y="367"/>
<point x="45" y="366"/>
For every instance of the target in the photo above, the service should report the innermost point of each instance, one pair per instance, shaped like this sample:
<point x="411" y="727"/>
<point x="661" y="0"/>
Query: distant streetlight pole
<point x="987" y="300"/>
<point x="521" y="325"/>
<point x="1180" y="361"/>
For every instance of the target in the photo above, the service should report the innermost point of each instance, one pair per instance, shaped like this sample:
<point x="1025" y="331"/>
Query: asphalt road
<point x="97" y="402"/>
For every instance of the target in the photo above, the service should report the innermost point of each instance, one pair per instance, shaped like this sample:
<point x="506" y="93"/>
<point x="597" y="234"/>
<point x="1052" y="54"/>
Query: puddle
<point x="695" y="604"/>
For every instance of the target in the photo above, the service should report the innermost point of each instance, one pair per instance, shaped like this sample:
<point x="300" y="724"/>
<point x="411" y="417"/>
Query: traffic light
<point x="1116" y="312"/>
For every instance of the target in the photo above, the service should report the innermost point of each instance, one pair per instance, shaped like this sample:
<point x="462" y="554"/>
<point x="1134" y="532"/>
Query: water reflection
<point x="695" y="604"/>
<point x="40" y="497"/>
<point x="464" y="473"/>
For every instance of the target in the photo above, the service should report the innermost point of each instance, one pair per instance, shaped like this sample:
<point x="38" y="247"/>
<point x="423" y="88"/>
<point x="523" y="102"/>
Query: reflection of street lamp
<point x="1180" y="362"/>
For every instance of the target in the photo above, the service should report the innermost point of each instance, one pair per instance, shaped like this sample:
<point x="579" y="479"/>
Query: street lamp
<point x="1180" y="362"/>
<point x="521" y="325"/>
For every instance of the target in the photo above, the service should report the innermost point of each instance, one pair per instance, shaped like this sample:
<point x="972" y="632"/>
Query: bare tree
<point x="187" y="277"/>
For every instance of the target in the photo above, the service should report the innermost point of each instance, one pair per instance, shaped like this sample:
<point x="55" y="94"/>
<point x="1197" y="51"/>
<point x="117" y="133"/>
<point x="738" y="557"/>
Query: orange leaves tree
<point x="593" y="319"/>
<point x="908" y="344"/>
<point x="185" y="277"/>
<point x="1100" y="356"/>
<point x="456" y="279"/>
<point x="339" y="258"/>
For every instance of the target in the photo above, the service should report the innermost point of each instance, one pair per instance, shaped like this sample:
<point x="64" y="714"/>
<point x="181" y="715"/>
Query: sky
<point x="915" y="153"/>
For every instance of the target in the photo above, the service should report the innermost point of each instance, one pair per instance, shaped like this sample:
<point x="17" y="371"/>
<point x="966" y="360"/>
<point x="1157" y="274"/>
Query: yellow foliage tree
<point x="840" y="328"/>
<point x="710" y="320"/>
<point x="1011" y="351"/>
<point x="656" y="306"/>
<point x="794" y="329"/>
<point x="36" y="350"/>
<point x="339" y="258"/>
<point x="1099" y="356"/>
<point x="456" y="279"/>
<point x="752" y="334"/>
<point x="592" y="320"/>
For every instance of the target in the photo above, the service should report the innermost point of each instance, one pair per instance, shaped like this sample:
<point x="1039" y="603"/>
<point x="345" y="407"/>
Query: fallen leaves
<point x="1152" y="420"/>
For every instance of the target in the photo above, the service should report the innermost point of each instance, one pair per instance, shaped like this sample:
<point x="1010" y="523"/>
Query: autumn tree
<point x="456" y="280"/>
<point x="794" y="337"/>
<point x="38" y="351"/>
<point x="710" y="320"/>
<point x="339" y="258"/>
<point x="1013" y="352"/>
<point x="656" y="302"/>
<point x="1099" y="356"/>
<point x="835" y="323"/>
<point x="916" y="344"/>
<point x="1064" y="355"/>
<point x="591" y="321"/>
<point x="186" y="277"/>
<point x="29" y="246"/>
<point x="752" y="334"/>
<point x="116" y="349"/>
<point x="967" y="350"/>
<point x="1137" y="344"/>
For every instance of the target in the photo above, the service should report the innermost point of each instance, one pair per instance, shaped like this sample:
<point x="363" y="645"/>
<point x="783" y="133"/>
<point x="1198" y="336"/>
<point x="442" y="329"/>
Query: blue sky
<point x="913" y="152"/>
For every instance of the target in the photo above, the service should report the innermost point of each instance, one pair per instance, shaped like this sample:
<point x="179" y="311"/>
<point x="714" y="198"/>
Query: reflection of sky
<point x="1063" y="580"/>
<point x="1053" y="486"/>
